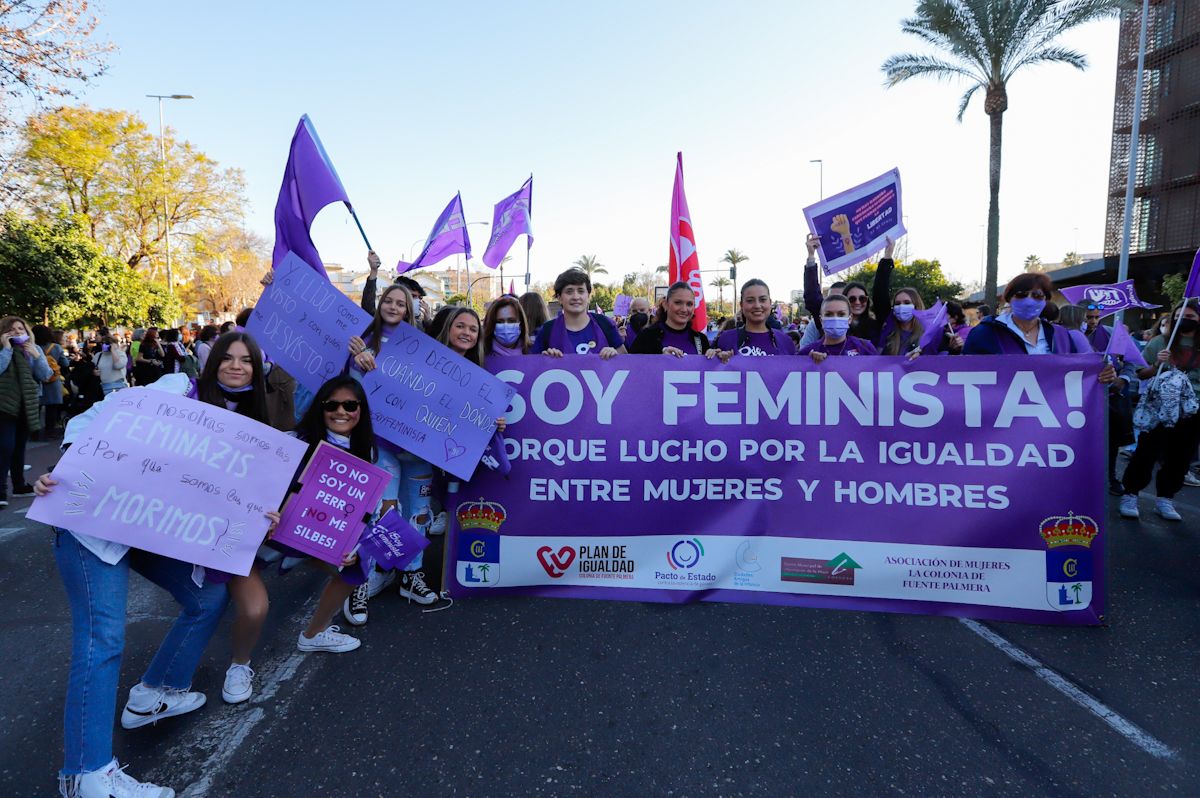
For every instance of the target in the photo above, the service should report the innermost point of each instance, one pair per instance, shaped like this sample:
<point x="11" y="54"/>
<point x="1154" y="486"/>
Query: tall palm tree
<point x="733" y="257"/>
<point x="721" y="283"/>
<point x="985" y="42"/>
<point x="591" y="265"/>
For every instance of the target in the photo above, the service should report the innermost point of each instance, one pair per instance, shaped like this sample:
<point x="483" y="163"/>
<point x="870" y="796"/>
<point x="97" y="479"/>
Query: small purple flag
<point x="1192" y="289"/>
<point x="309" y="184"/>
<point x="510" y="219"/>
<point x="448" y="237"/>
<point x="1122" y="344"/>
<point x="933" y="321"/>
<point x="391" y="542"/>
<point x="494" y="456"/>
<point x="1111" y="298"/>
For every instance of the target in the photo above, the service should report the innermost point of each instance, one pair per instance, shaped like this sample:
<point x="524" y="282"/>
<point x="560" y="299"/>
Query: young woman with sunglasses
<point x="1021" y="330"/>
<point x="863" y="324"/>
<point x="671" y="332"/>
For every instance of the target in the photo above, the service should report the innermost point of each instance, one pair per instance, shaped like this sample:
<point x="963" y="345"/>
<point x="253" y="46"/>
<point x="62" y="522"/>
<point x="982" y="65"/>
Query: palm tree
<point x="721" y="283"/>
<point x="733" y="257"/>
<point x="986" y="42"/>
<point x="590" y="265"/>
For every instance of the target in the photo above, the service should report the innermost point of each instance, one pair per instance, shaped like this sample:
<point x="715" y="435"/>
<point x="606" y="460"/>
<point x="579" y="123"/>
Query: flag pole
<point x="1174" y="332"/>
<point x="361" y="232"/>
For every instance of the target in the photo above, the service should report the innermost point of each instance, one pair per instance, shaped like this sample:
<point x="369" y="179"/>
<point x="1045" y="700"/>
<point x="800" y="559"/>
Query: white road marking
<point x="1126" y="728"/>
<point x="10" y="532"/>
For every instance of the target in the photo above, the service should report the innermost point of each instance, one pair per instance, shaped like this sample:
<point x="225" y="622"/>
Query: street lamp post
<point x="821" y="165"/>
<point x="162" y="154"/>
<point x="467" y="263"/>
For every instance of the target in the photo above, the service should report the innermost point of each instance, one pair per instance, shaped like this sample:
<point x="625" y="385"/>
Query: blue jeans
<point x="411" y="487"/>
<point x="97" y="593"/>
<point x="109" y="387"/>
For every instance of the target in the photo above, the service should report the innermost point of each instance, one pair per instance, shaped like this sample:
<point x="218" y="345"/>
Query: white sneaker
<point x="1191" y="480"/>
<point x="354" y="608"/>
<point x="1129" y="507"/>
<point x="330" y="640"/>
<point x="288" y="563"/>
<point x="378" y="580"/>
<point x="413" y="588"/>
<point x="1167" y="510"/>
<point x="239" y="684"/>
<point x="110" y="781"/>
<point x="439" y="524"/>
<point x="148" y="705"/>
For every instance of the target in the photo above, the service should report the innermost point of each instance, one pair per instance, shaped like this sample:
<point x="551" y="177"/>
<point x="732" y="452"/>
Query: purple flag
<point x="1110" y="298"/>
<point x="1122" y="344"/>
<point x="510" y="219"/>
<point x="448" y="237"/>
<point x="933" y="320"/>
<point x="309" y="184"/>
<point x="1192" y="289"/>
<point x="391" y="542"/>
<point x="495" y="457"/>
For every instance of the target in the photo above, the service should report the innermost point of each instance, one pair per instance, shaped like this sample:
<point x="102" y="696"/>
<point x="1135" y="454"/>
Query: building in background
<point x="1166" y="204"/>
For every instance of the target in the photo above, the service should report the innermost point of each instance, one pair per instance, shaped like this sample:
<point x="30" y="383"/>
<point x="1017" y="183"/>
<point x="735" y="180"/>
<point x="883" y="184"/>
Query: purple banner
<point x="1110" y="298"/>
<point x="855" y="224"/>
<point x="304" y="324"/>
<point x="173" y="476"/>
<point x="432" y="402"/>
<point x="338" y="494"/>
<point x="969" y="486"/>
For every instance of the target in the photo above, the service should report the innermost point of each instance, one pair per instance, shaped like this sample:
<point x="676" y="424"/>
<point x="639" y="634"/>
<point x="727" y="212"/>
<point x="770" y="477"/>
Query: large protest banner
<point x="432" y="402"/>
<point x="304" y="324"/>
<point x="855" y="224"/>
<point x="173" y="476"/>
<point x="968" y="486"/>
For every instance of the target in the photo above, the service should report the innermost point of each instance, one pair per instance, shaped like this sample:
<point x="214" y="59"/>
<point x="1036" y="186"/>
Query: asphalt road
<point x="541" y="697"/>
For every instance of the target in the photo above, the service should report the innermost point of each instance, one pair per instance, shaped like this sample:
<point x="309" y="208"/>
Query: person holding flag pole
<point x="1168" y="413"/>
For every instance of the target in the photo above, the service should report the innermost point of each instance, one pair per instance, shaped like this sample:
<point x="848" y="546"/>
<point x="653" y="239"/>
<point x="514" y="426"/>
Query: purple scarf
<point x="560" y="339"/>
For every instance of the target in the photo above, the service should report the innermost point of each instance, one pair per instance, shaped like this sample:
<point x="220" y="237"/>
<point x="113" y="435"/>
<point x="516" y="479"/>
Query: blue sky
<point x="415" y="101"/>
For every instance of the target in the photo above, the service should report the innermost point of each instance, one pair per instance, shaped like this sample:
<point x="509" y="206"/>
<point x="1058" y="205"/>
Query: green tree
<point x="924" y="275"/>
<point x="591" y="265"/>
<point x="1071" y="259"/>
<point x="720" y="283"/>
<point x="105" y="165"/>
<point x="1172" y="288"/>
<point x="604" y="296"/>
<point x="733" y="257"/>
<point x="986" y="42"/>
<point x="1034" y="264"/>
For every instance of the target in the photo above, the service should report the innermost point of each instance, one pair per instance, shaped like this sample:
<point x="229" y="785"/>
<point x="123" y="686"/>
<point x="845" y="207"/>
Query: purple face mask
<point x="1028" y="309"/>
<point x="19" y="340"/>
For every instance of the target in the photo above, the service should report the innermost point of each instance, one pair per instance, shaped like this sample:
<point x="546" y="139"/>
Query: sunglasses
<point x="857" y="300"/>
<point x="1028" y="295"/>
<point x="350" y="406"/>
<point x="1094" y="307"/>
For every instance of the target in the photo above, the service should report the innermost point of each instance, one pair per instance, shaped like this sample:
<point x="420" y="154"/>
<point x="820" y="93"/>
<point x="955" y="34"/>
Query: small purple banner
<point x="173" y="476"/>
<point x="621" y="305"/>
<point x="1110" y="298"/>
<point x="391" y="542"/>
<point x="856" y="223"/>
<point x="432" y="402"/>
<point x="338" y="494"/>
<point x="304" y="324"/>
<point x="968" y="486"/>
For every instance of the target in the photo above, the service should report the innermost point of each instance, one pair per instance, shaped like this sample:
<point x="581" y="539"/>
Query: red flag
<point x="684" y="263"/>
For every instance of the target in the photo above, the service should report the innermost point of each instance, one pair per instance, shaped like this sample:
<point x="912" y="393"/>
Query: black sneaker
<point x="354" y="608"/>
<point x="1115" y="487"/>
<point x="24" y="491"/>
<point x="413" y="588"/>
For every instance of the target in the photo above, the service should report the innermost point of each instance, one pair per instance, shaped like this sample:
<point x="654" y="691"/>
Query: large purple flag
<point x="1120" y="343"/>
<point x="448" y="237"/>
<point x="1110" y="298"/>
<point x="1192" y="289"/>
<point x="510" y="219"/>
<point x="309" y="184"/>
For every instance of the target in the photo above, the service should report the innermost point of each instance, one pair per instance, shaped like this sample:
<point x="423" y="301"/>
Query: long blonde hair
<point x="891" y="346"/>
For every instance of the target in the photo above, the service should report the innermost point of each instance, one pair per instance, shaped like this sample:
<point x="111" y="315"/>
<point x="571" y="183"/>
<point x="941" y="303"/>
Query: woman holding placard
<point x="411" y="487"/>
<point x="671" y="332"/>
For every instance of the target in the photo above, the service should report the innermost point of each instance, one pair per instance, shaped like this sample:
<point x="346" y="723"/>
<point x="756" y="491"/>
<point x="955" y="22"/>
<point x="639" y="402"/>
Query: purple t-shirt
<point x="757" y="344"/>
<point x="680" y="339"/>
<point x="850" y="347"/>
